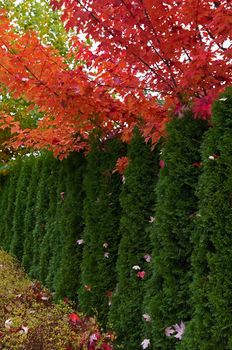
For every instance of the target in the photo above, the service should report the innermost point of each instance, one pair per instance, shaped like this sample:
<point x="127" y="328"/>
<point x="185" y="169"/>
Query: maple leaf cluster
<point x="180" y="49"/>
<point x="72" y="105"/>
<point x="153" y="58"/>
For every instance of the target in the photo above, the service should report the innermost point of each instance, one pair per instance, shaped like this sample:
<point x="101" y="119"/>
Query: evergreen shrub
<point x="101" y="220"/>
<point x="17" y="231"/>
<point x="70" y="226"/>
<point x="168" y="296"/>
<point x="29" y="216"/>
<point x="210" y="326"/>
<point x="137" y="201"/>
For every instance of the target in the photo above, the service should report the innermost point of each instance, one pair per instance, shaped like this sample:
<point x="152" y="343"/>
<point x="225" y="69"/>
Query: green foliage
<point x="70" y="226"/>
<point x="38" y="16"/>
<point x="211" y="326"/>
<point x="47" y="244"/>
<point x="29" y="216"/>
<point x="54" y="232"/>
<point x="4" y="191"/>
<point x="26" y="114"/>
<point x="137" y="201"/>
<point x="168" y="289"/>
<point x="41" y="207"/>
<point x="101" y="218"/>
<point x="9" y="206"/>
<point x="17" y="231"/>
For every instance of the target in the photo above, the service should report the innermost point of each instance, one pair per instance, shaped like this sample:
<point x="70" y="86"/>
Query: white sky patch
<point x="17" y="2"/>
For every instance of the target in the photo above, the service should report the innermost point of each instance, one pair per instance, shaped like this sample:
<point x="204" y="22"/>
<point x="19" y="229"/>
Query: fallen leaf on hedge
<point x="147" y="257"/>
<point x="179" y="330"/>
<point x="80" y="241"/>
<point x="162" y="164"/>
<point x="88" y="287"/>
<point x="147" y="317"/>
<point x="145" y="343"/>
<point x="62" y="195"/>
<point x="197" y="164"/>
<point x="141" y="274"/>
<point x="169" y="331"/>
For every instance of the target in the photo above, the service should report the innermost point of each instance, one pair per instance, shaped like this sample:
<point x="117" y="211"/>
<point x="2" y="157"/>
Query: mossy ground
<point x="30" y="320"/>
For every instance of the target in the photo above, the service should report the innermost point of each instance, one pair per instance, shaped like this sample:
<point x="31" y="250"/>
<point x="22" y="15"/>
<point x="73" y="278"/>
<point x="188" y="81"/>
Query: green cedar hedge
<point x="29" y="215"/>
<point x="101" y="218"/>
<point x="137" y="201"/>
<point x="17" y="231"/>
<point x="46" y="247"/>
<point x="8" y="215"/>
<point x="67" y="280"/>
<point x="211" y="327"/>
<point x="5" y="180"/>
<point x="41" y="207"/>
<point x="53" y="229"/>
<point x="168" y="289"/>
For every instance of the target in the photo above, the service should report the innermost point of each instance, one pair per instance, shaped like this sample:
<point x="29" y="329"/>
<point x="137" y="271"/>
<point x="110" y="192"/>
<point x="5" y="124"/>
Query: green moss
<point x="30" y="321"/>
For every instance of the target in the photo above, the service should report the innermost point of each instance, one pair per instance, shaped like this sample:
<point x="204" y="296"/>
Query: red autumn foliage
<point x="153" y="58"/>
<point x="141" y="274"/>
<point x="161" y="163"/>
<point x="181" y="48"/>
<point x="121" y="165"/>
<point x="74" y="318"/>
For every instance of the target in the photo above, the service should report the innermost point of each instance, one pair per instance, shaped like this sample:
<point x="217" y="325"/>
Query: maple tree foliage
<point x="152" y="58"/>
<point x="179" y="46"/>
<point x="71" y="103"/>
<point x="181" y="50"/>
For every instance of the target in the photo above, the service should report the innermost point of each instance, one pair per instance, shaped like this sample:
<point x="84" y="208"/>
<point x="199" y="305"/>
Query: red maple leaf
<point x="141" y="274"/>
<point x="121" y="165"/>
<point x="74" y="318"/>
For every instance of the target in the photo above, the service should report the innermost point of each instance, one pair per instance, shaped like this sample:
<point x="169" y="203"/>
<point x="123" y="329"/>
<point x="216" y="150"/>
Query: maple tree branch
<point x="11" y="51"/>
<point x="7" y="70"/>
<point x="157" y="38"/>
<point x="133" y="53"/>
<point x="213" y="38"/>
<point x="132" y="87"/>
<point x="187" y="54"/>
<point x="196" y="23"/>
<point x="50" y="58"/>
<point x="164" y="60"/>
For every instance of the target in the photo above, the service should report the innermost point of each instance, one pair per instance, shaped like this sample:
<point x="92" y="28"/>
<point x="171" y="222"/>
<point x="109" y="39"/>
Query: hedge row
<point x="147" y="253"/>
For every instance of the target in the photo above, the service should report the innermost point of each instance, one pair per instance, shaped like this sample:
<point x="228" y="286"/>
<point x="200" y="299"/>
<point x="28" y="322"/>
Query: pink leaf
<point x="141" y="274"/>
